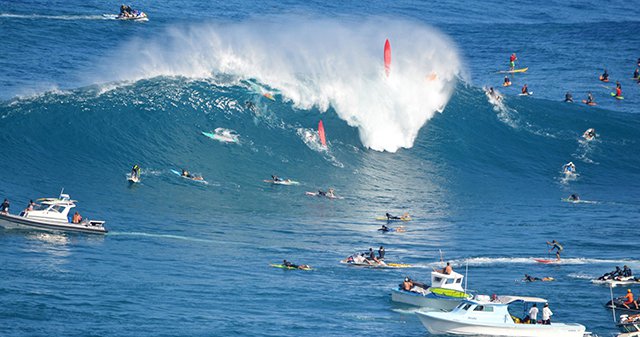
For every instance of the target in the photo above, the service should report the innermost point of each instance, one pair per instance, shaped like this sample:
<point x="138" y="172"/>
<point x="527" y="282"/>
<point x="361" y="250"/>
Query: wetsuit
<point x="568" y="98"/>
<point x="384" y="229"/>
<point x="4" y="207"/>
<point x="636" y="73"/>
<point x="381" y="253"/>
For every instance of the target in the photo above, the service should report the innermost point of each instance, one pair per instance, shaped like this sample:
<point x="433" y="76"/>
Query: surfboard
<point x="286" y="182"/>
<point x="506" y="84"/>
<point x="323" y="139"/>
<point x="521" y="70"/>
<point x="613" y="94"/>
<point x="530" y="93"/>
<point x="281" y="266"/>
<point x="546" y="261"/>
<point x="196" y="180"/>
<point x="384" y="218"/>
<point x="220" y="137"/>
<point x="387" y="57"/>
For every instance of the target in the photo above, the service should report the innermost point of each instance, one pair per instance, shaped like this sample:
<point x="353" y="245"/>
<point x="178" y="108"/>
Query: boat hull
<point x="425" y="301"/>
<point x="14" y="221"/>
<point x="437" y="325"/>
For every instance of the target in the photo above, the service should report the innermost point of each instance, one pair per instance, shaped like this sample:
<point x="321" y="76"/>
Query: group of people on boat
<point x="369" y="257"/>
<point x="532" y="317"/>
<point x="618" y="274"/>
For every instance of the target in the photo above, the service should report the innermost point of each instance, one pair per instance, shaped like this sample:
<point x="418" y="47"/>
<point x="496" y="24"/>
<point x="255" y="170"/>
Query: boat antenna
<point x="466" y="276"/>
<point x="441" y="259"/>
<point x="61" y="191"/>
<point x="613" y="306"/>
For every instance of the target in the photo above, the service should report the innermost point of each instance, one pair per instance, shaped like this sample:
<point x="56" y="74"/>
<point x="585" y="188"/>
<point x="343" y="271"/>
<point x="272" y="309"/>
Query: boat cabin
<point x="450" y="281"/>
<point x="499" y="310"/>
<point x="52" y="209"/>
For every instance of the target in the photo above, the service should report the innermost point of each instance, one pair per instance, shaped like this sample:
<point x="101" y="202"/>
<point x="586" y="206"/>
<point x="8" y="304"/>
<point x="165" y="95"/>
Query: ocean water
<point x="84" y="97"/>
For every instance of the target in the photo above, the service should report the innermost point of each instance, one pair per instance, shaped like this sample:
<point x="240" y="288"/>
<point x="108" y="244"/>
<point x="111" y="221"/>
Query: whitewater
<point x="84" y="98"/>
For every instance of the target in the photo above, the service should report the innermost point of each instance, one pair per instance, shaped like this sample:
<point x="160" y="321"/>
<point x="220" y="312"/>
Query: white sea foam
<point x="315" y="63"/>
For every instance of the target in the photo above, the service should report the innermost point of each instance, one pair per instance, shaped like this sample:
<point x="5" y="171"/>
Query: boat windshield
<point x="628" y="328"/>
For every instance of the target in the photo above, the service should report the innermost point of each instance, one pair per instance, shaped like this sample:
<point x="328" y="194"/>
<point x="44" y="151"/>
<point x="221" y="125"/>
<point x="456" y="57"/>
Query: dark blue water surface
<point x="84" y="97"/>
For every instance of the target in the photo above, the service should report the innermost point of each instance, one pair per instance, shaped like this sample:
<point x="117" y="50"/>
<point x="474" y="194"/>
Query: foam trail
<point x="58" y="17"/>
<point x="315" y="63"/>
<point x="490" y="261"/>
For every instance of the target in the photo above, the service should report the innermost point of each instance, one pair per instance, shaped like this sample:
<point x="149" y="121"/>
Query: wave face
<point x="314" y="64"/>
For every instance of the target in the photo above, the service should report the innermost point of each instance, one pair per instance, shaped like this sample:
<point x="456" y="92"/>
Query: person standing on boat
<point x="546" y="314"/>
<point x="381" y="252"/>
<point x="557" y="246"/>
<point x="77" y="218"/>
<point x="533" y="314"/>
<point x="4" y="208"/>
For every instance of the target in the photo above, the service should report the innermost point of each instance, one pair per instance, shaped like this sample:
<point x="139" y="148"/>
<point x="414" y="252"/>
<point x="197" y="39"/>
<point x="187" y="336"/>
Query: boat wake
<point x="58" y="17"/>
<point x="491" y="261"/>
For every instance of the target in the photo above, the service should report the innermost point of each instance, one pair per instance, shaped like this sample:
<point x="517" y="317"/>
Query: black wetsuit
<point x="381" y="254"/>
<point x="4" y="207"/>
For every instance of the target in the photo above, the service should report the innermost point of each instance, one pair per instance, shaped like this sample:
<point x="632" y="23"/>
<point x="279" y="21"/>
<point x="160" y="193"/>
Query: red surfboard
<point x="387" y="57"/>
<point x="323" y="140"/>
<point x="545" y="261"/>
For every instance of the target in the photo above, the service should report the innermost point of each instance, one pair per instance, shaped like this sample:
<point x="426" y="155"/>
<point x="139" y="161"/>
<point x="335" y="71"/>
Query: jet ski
<point x="134" y="16"/>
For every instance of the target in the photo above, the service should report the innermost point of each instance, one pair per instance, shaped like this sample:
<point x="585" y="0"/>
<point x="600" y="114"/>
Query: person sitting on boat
<point x="574" y="197"/>
<point x="381" y="252"/>
<point x="525" y="90"/>
<point x="4" y="208"/>
<point x="546" y="314"/>
<point x="77" y="218"/>
<point x="605" y="76"/>
<point x="446" y="270"/>
<point x="529" y="278"/>
<point x="629" y="300"/>
<point x="507" y="81"/>
<point x="533" y="314"/>
<point x="372" y="256"/>
<point x="557" y="246"/>
<point x="384" y="229"/>
<point x="407" y="285"/>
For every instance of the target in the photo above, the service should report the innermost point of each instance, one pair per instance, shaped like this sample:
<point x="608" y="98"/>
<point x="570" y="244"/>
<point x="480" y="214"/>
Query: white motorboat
<point x="51" y="214"/>
<point x="445" y="292"/>
<point x="481" y="316"/>
<point x="629" y="326"/>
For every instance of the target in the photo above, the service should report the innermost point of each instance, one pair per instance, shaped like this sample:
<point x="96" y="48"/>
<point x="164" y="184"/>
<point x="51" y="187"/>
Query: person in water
<point x="529" y="278"/>
<point x="636" y="73"/>
<point x="392" y="217"/>
<point x="525" y="90"/>
<point x="589" y="98"/>
<point x="289" y="264"/>
<point x="605" y="76"/>
<point x="590" y="133"/>
<point x="557" y="246"/>
<point x="618" y="90"/>
<point x="507" y="81"/>
<point x="275" y="178"/>
<point x="135" y="171"/>
<point x="384" y="229"/>
<point x="4" y="208"/>
<point x="512" y="61"/>
<point x="568" y="97"/>
<point x="574" y="197"/>
<point x="569" y="168"/>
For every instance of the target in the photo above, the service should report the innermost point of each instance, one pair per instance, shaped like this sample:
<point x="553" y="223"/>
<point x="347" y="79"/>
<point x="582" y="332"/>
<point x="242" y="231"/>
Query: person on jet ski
<point x="381" y="252"/>
<point x="626" y="271"/>
<point x="372" y="256"/>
